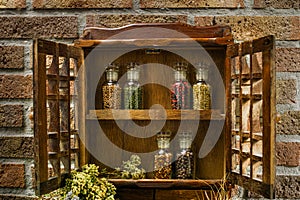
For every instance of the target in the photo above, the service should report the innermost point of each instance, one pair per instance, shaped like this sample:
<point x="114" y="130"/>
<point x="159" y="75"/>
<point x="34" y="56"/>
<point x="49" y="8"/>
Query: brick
<point x="276" y="4"/>
<point x="33" y="177"/>
<point x="11" y="115"/>
<point x="36" y="26"/>
<point x="11" y="57"/>
<point x="192" y="4"/>
<point x="12" y="4"/>
<point x="250" y="27"/>
<point x="15" y="86"/>
<point x="82" y="4"/>
<point x="287" y="59"/>
<point x="12" y="175"/>
<point x="286" y="91"/>
<point x="16" y="147"/>
<point x="289" y="123"/>
<point x="122" y="20"/>
<point x="288" y="153"/>
<point x="288" y="187"/>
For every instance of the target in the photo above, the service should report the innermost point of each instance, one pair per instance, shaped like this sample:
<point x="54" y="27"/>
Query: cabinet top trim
<point x="157" y="31"/>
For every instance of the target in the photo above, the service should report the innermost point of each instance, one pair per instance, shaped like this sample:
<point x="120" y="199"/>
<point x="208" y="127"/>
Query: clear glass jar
<point x="185" y="158"/>
<point x="181" y="91"/>
<point x="202" y="90"/>
<point x="163" y="158"/>
<point x="111" y="91"/>
<point x="132" y="91"/>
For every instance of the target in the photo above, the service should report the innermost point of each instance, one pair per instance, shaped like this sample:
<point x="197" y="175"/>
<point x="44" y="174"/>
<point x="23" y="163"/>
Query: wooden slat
<point x="107" y="114"/>
<point x="263" y="44"/>
<point x="54" y="79"/>
<point x="231" y="52"/>
<point x="82" y="105"/>
<point x="255" y="136"/>
<point x="247" y="76"/>
<point x="269" y="104"/>
<point x="40" y="117"/>
<point x="248" y="96"/>
<point x="179" y="43"/>
<point x="258" y="146"/>
<point x="151" y="31"/>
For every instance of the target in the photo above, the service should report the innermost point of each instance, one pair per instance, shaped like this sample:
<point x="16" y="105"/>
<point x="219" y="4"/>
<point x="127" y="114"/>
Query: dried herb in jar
<point x="185" y="158"/>
<point x="132" y="91"/>
<point x="202" y="91"/>
<point x="181" y="91"/>
<point x="111" y="91"/>
<point x="163" y="158"/>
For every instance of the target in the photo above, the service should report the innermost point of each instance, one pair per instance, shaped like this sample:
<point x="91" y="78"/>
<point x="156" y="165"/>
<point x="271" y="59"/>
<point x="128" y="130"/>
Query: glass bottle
<point x="163" y="158"/>
<point x="111" y="90"/>
<point x="202" y="90"/>
<point x="181" y="90"/>
<point x="185" y="158"/>
<point x="133" y="92"/>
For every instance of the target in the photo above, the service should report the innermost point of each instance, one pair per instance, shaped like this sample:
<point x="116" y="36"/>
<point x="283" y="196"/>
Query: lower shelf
<point x="174" y="184"/>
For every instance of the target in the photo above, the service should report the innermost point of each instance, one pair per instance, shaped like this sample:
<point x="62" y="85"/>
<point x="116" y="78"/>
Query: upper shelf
<point x="155" y="114"/>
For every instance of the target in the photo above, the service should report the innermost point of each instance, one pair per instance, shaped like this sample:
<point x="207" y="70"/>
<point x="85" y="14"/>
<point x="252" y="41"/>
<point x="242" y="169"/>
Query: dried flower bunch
<point x="130" y="169"/>
<point x="85" y="185"/>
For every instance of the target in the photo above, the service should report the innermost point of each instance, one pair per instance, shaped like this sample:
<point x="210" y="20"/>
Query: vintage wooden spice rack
<point x="67" y="109"/>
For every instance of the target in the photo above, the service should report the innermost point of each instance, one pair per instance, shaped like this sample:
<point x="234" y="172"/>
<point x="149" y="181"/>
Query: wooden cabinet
<point x="233" y="141"/>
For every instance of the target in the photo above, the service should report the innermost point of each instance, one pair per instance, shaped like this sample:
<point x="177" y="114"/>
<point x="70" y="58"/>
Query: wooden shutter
<point x="56" y="113"/>
<point x="250" y="135"/>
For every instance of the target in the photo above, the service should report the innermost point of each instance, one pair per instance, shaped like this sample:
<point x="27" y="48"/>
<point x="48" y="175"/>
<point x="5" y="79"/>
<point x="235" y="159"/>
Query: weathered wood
<point x="155" y="114"/>
<point x="52" y="96"/>
<point x="40" y="117"/>
<point x="151" y="31"/>
<point x="242" y="140"/>
<point x="256" y="116"/>
<point x="269" y="105"/>
<point x="182" y="43"/>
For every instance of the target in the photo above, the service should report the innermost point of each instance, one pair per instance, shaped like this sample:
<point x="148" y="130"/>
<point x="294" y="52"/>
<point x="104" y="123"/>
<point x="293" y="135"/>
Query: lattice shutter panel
<point x="251" y="130"/>
<point x="55" y="112"/>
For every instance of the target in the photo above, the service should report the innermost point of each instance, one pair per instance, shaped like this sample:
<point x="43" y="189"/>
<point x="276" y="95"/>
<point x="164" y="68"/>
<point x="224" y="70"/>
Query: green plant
<point x="130" y="169"/>
<point x="85" y="185"/>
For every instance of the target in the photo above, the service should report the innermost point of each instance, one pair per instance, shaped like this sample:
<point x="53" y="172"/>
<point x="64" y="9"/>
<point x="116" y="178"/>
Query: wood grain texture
<point x="155" y="114"/>
<point x="254" y="72"/>
<point x="150" y="31"/>
<point x="52" y="112"/>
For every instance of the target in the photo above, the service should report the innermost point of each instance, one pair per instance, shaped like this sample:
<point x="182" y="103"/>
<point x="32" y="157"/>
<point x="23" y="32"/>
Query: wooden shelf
<point x="167" y="183"/>
<point x="153" y="114"/>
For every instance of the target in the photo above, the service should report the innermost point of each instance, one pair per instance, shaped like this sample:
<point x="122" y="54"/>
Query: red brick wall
<point x="23" y="20"/>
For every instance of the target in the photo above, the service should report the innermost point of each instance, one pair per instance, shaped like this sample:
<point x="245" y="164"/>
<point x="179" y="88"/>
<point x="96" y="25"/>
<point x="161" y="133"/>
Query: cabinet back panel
<point x="157" y="74"/>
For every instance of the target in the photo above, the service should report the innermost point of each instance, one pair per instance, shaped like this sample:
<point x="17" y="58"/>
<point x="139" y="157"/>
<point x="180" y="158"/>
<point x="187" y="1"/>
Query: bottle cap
<point x="133" y="71"/>
<point x="202" y="72"/>
<point x="112" y="72"/>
